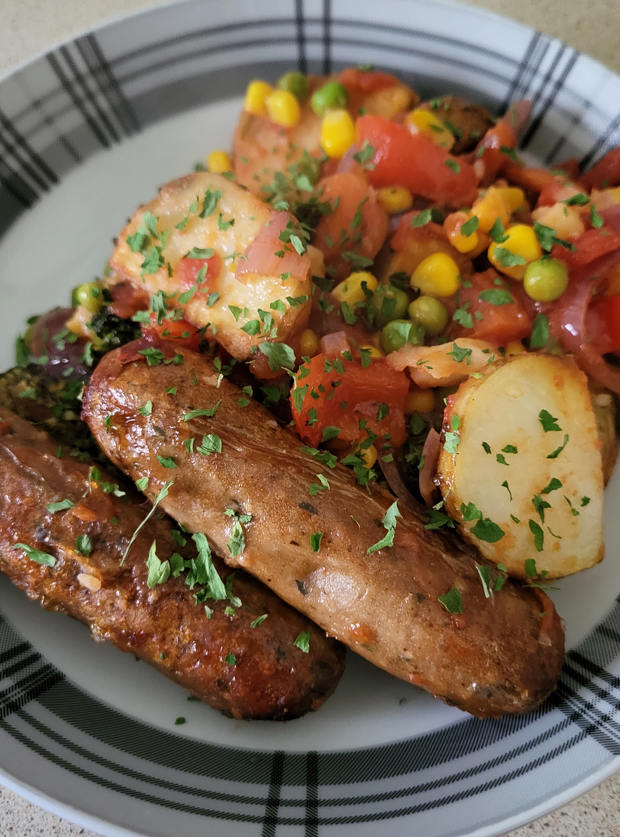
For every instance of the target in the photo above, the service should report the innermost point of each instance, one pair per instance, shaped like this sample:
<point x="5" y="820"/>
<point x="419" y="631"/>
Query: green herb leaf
<point x="538" y="533"/>
<point x="166" y="461"/>
<point x="452" y="600"/>
<point x="486" y="530"/>
<point x="211" y="443"/>
<point x="207" y="412"/>
<point x="506" y="258"/>
<point x="61" y="505"/>
<point x="158" y="571"/>
<point x="162" y="493"/>
<point x="279" y="355"/>
<point x="548" y="421"/>
<point x="302" y="641"/>
<point x="389" y="522"/>
<point x="554" y="454"/>
<point x="315" y="541"/>
<point x="496" y="296"/>
<point x="539" y="336"/>
<point x="83" y="544"/>
<point x="258" y="621"/>
<point x="36" y="555"/>
<point x="147" y="409"/>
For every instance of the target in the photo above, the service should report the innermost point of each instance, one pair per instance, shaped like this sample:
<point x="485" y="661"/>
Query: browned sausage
<point x="269" y="677"/>
<point x="500" y="655"/>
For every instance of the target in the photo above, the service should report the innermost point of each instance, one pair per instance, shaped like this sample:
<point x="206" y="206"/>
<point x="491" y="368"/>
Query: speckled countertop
<point x="29" y="27"/>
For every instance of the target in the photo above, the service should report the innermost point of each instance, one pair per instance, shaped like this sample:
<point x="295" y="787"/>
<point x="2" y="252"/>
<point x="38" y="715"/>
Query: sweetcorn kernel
<point x="395" y="199"/>
<point x="437" y="275"/>
<point x="308" y="343"/>
<point x="337" y="132"/>
<point x="283" y="108"/>
<point x="218" y="162"/>
<point x="514" y="254"/>
<point x="372" y="351"/>
<point x="255" y="97"/>
<point x="353" y="289"/>
<point x="425" y="122"/>
<point x="368" y="455"/>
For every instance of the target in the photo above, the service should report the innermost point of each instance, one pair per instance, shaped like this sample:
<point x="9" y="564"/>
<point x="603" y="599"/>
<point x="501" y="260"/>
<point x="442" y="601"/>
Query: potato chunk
<point x="251" y="272"/>
<point x="526" y="479"/>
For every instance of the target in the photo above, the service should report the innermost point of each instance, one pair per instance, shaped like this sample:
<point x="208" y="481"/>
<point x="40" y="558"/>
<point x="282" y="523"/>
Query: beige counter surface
<point x="30" y="27"/>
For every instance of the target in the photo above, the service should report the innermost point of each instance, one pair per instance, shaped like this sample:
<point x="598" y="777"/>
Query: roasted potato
<point x="468" y="122"/>
<point x="252" y="272"/>
<point x="604" y="408"/>
<point x="521" y="467"/>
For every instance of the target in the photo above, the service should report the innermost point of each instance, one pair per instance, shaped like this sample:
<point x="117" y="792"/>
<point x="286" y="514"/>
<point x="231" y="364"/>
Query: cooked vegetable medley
<point x="389" y="276"/>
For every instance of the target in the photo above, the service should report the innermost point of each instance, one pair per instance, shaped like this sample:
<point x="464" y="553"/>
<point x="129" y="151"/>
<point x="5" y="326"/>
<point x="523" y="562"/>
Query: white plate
<point x="89" y="131"/>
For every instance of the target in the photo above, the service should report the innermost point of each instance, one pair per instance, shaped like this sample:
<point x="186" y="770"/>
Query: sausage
<point x="498" y="656"/>
<point x="269" y="677"/>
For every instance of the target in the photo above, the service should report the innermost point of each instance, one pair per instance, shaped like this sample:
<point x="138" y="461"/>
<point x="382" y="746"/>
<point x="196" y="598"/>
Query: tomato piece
<point x="605" y="173"/>
<point x="189" y="269"/>
<point x="497" y="323"/>
<point x="589" y="246"/>
<point x="356" y="228"/>
<point x="604" y="322"/>
<point x="489" y="150"/>
<point x="366" y="81"/>
<point x="179" y="332"/>
<point x="341" y="393"/>
<point x="532" y="179"/>
<point x="561" y="188"/>
<point x="412" y="160"/>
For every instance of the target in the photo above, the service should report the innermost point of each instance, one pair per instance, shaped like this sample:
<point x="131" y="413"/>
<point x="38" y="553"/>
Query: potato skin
<point x="272" y="679"/>
<point x="497" y="657"/>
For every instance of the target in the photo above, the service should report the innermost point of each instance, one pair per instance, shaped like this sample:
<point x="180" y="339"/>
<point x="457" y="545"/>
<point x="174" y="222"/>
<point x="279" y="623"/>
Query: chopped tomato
<point x="532" y="179"/>
<point x="604" y="323"/>
<point x="179" y="332"/>
<point x="561" y="188"/>
<point x="366" y="81"/>
<point x="190" y="271"/>
<point x="493" y="318"/>
<point x="605" y="173"/>
<point x="500" y="136"/>
<point x="335" y="392"/>
<point x="354" y="231"/>
<point x="589" y="246"/>
<point x="412" y="160"/>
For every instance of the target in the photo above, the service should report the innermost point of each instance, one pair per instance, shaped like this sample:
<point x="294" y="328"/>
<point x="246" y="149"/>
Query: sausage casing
<point x="498" y="656"/>
<point x="243" y="670"/>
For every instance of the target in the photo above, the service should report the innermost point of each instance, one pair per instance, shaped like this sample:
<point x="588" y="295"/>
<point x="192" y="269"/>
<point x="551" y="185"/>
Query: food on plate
<point x="547" y="461"/>
<point x="369" y="574"/>
<point x="76" y="540"/>
<point x="383" y="274"/>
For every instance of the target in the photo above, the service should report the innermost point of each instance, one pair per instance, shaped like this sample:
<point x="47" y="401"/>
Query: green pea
<point x="395" y="334"/>
<point x="545" y="279"/>
<point x="430" y="313"/>
<point x="388" y="303"/>
<point x="331" y="95"/>
<point x="89" y="295"/>
<point x="295" y="83"/>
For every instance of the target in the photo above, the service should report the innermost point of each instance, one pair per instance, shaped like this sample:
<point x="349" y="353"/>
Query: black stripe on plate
<point x="603" y="143"/>
<point x="312" y="795"/>
<point x="574" y="120"/>
<point x="77" y="101"/>
<point x="326" y="21"/>
<point x="29" y="688"/>
<point x="90" y="98"/>
<point x="16" y="187"/>
<point x="121" y="104"/>
<point x="20" y="665"/>
<point x="32" y="162"/>
<point x="549" y="99"/>
<point x="15" y="651"/>
<point x="301" y="40"/>
<point x="609" y="633"/>
<point x="270" y="820"/>
<point x="311" y="768"/>
<point x="102" y="89"/>
<point x="276" y="779"/>
<point x="522" y="69"/>
<point x="604" y="697"/>
<point x="585" y="715"/>
<point x="599" y="672"/>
